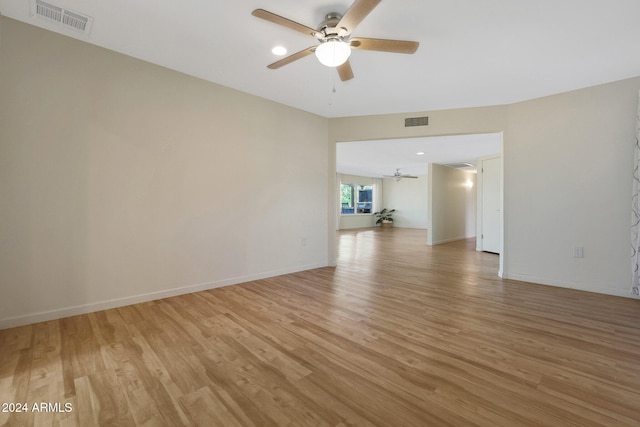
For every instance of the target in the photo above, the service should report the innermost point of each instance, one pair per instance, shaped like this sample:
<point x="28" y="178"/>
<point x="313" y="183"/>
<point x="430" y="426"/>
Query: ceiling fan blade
<point x="289" y="59"/>
<point x="356" y="13"/>
<point x="277" y="19"/>
<point x="345" y="72"/>
<point x="385" y="45"/>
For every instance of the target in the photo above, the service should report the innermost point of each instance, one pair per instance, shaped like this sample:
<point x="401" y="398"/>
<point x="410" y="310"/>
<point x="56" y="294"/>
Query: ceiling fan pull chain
<point x="332" y="84"/>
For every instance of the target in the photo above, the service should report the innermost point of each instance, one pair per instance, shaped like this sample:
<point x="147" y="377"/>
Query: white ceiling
<point x="471" y="52"/>
<point x="383" y="157"/>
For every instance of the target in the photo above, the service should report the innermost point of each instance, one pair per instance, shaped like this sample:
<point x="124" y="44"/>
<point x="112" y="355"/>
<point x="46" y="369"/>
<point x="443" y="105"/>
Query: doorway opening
<point x="413" y="198"/>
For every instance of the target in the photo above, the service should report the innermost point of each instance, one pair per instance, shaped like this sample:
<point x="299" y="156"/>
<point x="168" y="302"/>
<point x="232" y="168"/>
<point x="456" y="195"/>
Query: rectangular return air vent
<point x="416" y="121"/>
<point x="66" y="18"/>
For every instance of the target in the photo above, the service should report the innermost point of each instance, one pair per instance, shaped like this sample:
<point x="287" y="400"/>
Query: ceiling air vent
<point x="66" y="18"/>
<point x="416" y="121"/>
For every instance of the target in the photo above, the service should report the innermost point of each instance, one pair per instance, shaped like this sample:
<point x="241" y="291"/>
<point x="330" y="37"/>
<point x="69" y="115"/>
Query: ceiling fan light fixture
<point x="333" y="53"/>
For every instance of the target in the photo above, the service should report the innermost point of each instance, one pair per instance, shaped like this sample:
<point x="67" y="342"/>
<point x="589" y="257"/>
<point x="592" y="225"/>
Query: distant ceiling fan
<point x="398" y="176"/>
<point x="334" y="36"/>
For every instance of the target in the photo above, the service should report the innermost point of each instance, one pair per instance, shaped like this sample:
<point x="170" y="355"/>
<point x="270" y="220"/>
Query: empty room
<point x="187" y="213"/>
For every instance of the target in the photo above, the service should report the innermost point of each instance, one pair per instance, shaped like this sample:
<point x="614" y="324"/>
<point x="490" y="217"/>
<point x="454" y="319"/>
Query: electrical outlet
<point x="578" y="252"/>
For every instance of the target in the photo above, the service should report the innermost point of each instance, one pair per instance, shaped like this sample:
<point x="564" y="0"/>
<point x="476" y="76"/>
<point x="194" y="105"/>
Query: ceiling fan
<point x="334" y="35"/>
<point x="398" y="176"/>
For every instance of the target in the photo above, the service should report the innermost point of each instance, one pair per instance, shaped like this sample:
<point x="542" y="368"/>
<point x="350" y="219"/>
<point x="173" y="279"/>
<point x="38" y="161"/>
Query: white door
<point x="491" y="205"/>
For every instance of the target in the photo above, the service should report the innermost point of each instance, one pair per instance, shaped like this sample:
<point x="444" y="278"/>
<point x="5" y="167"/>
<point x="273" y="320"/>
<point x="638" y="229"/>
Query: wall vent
<point x="416" y="121"/>
<point x="64" y="17"/>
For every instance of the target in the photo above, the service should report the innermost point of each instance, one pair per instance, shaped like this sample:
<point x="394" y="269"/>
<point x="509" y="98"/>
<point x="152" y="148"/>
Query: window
<point x="356" y="199"/>
<point x="346" y="198"/>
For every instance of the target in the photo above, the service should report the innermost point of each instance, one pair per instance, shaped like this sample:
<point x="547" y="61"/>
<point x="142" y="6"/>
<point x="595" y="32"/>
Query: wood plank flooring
<point x="398" y="334"/>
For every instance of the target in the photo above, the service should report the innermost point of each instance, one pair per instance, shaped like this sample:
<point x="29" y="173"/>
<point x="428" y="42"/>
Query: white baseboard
<point x="569" y="285"/>
<point x="45" y="316"/>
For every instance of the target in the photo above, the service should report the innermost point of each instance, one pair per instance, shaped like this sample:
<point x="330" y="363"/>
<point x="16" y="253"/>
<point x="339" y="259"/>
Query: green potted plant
<point x="384" y="217"/>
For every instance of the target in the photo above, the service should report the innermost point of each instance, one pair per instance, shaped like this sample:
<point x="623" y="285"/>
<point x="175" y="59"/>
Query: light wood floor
<point x="398" y="334"/>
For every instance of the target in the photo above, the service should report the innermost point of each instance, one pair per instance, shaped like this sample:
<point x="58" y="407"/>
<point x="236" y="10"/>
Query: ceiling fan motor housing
<point x="328" y="29"/>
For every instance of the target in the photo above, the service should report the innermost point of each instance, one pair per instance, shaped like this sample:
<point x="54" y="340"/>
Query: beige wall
<point x="567" y="182"/>
<point x="441" y="122"/>
<point x="409" y="198"/>
<point x="121" y="181"/>
<point x="452" y="205"/>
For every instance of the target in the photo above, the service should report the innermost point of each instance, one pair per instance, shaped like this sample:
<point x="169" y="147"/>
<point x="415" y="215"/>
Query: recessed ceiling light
<point x="279" y="50"/>
<point x="420" y="153"/>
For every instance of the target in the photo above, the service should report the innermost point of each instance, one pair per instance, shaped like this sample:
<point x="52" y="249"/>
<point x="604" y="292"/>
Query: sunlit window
<point x="356" y="199"/>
